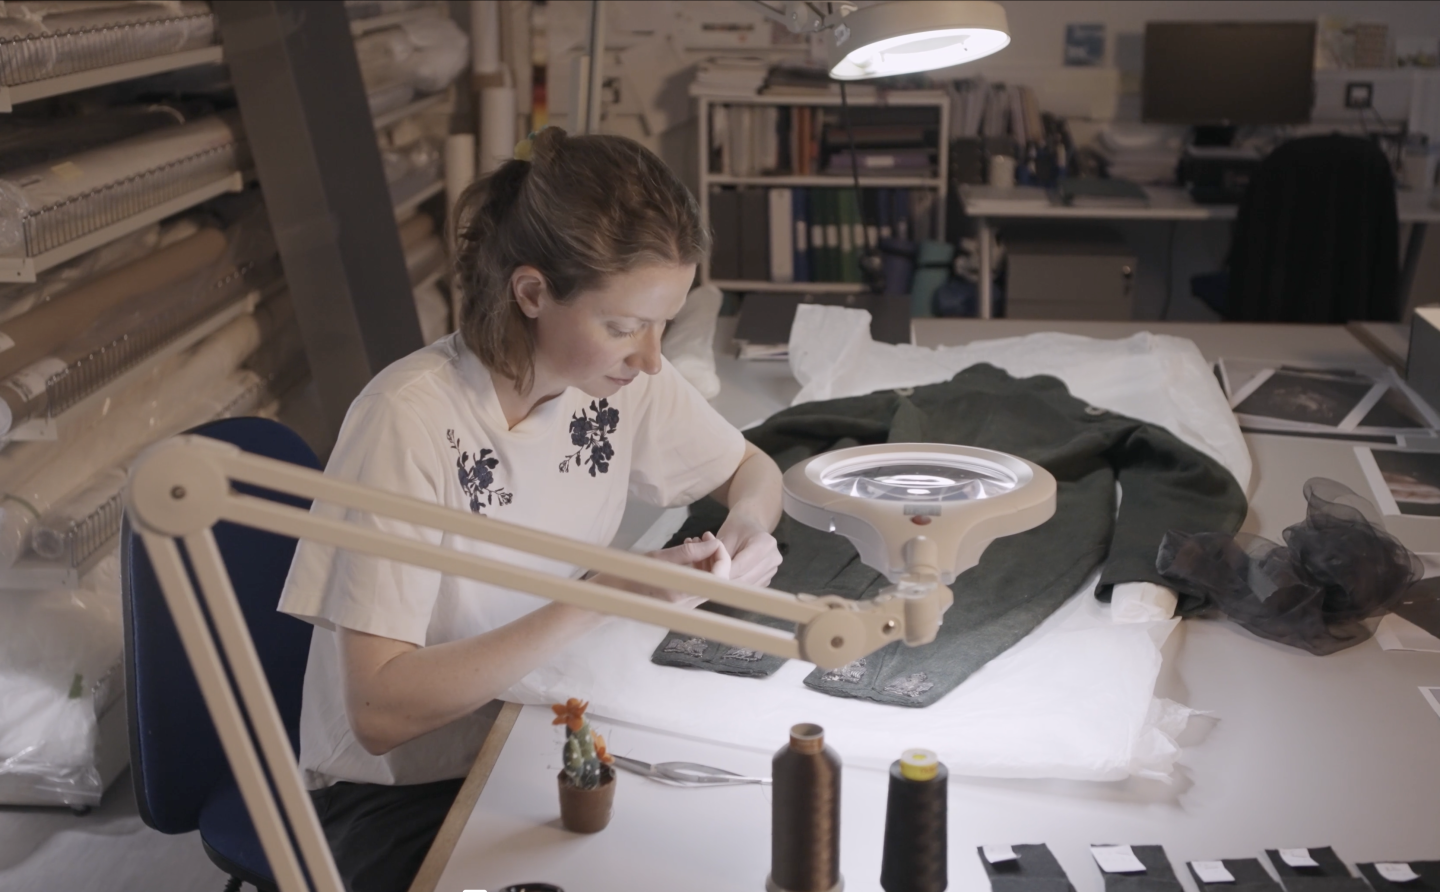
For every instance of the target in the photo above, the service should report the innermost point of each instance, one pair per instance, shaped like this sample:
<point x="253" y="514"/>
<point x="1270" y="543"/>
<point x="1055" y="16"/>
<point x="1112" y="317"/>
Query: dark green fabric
<point x="1021" y="579"/>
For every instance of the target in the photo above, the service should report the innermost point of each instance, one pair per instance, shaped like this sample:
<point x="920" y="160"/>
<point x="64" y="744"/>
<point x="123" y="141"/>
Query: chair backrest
<point x="1317" y="238"/>
<point x="175" y="754"/>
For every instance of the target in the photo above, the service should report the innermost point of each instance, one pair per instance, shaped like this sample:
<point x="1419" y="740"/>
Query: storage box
<point x="1068" y="272"/>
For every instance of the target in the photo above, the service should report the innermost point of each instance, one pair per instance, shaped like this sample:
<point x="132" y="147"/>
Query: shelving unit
<point x="705" y="99"/>
<point x="25" y="269"/>
<point x="405" y="208"/>
<point x="110" y="74"/>
<point x="390" y="19"/>
<point x="83" y="396"/>
<point x="396" y="115"/>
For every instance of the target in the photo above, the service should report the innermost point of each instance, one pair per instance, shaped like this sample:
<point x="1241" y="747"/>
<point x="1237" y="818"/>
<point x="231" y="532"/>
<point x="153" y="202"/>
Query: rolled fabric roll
<point x="39" y="333"/>
<point x="459" y="165"/>
<point x="424" y="259"/>
<point x="415" y="229"/>
<point x="46" y="205"/>
<point x="54" y="535"/>
<point x="186" y="390"/>
<point x="50" y="39"/>
<point x="122" y="337"/>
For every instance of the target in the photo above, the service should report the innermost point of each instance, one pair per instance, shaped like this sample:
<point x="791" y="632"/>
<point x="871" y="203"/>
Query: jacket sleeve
<point x="1165" y="485"/>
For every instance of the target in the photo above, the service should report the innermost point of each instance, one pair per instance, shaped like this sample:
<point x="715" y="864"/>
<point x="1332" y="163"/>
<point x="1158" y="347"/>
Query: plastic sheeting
<point x="690" y="340"/>
<point x="1072" y="700"/>
<point x="423" y="55"/>
<point x="1324" y="590"/>
<point x="1155" y="378"/>
<point x="59" y="669"/>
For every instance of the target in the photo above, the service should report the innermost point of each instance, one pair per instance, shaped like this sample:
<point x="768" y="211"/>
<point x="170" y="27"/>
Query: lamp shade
<point x="906" y="36"/>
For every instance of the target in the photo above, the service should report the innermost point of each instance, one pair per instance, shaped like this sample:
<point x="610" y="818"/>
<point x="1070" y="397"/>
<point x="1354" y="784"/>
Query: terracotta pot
<point x="587" y="811"/>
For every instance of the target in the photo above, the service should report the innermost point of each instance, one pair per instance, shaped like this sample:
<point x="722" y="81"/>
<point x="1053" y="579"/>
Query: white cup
<point x="1002" y="171"/>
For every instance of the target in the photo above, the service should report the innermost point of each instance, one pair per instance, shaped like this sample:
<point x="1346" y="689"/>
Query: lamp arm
<point x="798" y="17"/>
<point x="183" y="485"/>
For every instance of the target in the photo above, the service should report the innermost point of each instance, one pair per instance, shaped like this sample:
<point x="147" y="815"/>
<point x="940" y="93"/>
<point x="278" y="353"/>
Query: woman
<point x="549" y="407"/>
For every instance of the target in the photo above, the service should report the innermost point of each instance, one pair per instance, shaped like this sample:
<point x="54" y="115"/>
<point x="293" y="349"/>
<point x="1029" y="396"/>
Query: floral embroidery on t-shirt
<point x="592" y="435"/>
<point x="477" y="475"/>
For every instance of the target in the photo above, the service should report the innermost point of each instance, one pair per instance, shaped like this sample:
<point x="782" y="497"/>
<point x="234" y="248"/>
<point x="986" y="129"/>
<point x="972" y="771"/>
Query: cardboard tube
<point x="459" y="165"/>
<point x="497" y="127"/>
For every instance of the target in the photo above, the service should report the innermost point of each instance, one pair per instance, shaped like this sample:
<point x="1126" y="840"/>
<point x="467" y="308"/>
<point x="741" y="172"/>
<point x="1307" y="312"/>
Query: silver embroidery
<point x="742" y="653"/>
<point x="850" y="673"/>
<point x="690" y="647"/>
<point x="910" y="686"/>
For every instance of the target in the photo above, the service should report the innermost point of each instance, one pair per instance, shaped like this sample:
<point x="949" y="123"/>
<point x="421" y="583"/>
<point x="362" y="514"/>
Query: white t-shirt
<point x="430" y="426"/>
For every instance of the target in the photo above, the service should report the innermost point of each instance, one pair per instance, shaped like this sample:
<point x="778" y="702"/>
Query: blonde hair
<point x="580" y="210"/>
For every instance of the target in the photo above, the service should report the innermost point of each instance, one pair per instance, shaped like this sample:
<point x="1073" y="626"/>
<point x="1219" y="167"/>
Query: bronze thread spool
<point x="805" y="815"/>
<point x="914" y="854"/>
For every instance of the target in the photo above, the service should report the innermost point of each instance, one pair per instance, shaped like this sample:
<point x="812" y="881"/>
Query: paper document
<point x="1117" y="859"/>
<point x="1396" y="872"/>
<point x="999" y="854"/>
<point x="1397" y="633"/>
<point x="1212" y="872"/>
<point x="1298" y="858"/>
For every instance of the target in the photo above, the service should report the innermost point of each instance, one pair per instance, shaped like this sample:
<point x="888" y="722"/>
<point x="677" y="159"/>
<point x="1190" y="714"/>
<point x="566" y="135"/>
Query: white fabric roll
<point x="49" y="39"/>
<point x="497" y="127"/>
<point x="459" y="165"/>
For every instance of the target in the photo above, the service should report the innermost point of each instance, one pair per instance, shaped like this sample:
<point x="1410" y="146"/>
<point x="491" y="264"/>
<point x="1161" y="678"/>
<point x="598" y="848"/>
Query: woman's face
<point x="603" y="339"/>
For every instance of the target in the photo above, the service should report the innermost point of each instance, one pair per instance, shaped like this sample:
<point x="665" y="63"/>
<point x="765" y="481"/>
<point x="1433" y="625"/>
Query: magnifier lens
<point x="938" y="480"/>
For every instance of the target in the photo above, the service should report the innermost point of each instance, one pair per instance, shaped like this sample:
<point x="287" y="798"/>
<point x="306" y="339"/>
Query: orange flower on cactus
<point x="600" y="750"/>
<point x="571" y="713"/>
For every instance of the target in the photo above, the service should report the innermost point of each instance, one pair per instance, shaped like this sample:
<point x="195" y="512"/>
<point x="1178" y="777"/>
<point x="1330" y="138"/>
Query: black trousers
<point x="380" y="834"/>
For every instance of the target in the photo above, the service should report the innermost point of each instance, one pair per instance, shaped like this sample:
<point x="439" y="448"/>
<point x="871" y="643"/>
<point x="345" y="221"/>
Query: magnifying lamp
<point x="920" y="513"/>
<point x="898" y="37"/>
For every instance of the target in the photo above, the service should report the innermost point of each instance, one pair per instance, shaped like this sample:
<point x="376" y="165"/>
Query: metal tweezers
<point x="686" y="774"/>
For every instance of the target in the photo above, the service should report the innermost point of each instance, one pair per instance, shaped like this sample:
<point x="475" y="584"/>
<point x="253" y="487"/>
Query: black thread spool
<point x="914" y="855"/>
<point x="805" y="815"/>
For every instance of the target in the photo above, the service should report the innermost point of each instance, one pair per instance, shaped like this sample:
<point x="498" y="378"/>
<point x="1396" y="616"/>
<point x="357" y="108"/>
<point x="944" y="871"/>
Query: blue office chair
<point x="182" y="780"/>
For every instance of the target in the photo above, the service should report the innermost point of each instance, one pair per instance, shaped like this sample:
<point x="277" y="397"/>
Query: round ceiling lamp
<point x="906" y="36"/>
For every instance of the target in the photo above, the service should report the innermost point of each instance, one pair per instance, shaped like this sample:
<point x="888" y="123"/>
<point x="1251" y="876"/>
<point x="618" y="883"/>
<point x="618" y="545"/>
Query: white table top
<point x="1305" y="751"/>
<point x="1166" y="203"/>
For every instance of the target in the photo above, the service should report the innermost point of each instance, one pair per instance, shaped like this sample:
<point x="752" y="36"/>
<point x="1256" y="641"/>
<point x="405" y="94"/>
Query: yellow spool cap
<point x="919" y="765"/>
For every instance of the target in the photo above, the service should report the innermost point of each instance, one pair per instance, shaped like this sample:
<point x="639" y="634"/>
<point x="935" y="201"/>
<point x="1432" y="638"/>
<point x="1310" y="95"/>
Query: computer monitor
<point x="1227" y="74"/>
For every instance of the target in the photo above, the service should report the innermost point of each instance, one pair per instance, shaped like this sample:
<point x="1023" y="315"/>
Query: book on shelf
<point x="800" y="140"/>
<point x="814" y="234"/>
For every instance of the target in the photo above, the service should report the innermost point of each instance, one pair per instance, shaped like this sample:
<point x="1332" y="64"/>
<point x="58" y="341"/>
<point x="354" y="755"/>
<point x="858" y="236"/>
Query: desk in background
<point x="1307" y="751"/>
<point x="985" y="204"/>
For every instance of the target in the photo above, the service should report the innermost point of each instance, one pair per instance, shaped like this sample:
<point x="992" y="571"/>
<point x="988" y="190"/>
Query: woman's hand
<point x="706" y="553"/>
<point x="754" y="555"/>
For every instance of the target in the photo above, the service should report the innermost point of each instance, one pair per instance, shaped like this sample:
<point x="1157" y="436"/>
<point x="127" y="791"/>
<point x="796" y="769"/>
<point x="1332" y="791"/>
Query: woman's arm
<point x="396" y="691"/>
<point x="753" y="496"/>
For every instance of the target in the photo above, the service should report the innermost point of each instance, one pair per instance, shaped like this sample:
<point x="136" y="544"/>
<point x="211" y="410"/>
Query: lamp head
<point x="906" y="36"/>
<point x="958" y="499"/>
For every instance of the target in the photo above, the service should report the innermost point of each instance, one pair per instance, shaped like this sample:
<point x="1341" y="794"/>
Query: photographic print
<point x="1306" y="397"/>
<point x="1405" y="483"/>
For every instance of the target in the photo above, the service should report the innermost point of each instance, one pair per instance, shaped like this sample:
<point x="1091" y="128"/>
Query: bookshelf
<point x="934" y="181"/>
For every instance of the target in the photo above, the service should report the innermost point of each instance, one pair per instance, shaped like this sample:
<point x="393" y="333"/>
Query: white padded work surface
<point x="1304" y="751"/>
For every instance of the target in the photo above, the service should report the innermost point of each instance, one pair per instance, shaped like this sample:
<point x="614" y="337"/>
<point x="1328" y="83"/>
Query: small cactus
<point x="584" y="748"/>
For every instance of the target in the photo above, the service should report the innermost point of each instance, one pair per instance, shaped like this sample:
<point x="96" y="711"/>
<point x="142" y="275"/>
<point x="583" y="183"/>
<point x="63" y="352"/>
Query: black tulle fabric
<point x="1337" y="569"/>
